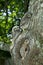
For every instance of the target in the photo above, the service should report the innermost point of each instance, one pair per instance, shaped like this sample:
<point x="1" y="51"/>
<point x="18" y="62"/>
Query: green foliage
<point x="10" y="10"/>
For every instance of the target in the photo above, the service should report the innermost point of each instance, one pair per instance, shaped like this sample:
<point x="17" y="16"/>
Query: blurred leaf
<point x="9" y="11"/>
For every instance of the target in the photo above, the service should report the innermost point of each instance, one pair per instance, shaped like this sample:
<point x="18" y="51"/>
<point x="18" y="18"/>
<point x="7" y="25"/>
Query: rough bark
<point x="27" y="48"/>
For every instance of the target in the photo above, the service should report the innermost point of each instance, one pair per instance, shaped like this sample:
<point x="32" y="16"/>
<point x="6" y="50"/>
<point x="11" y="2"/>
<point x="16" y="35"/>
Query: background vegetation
<point x="10" y="12"/>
